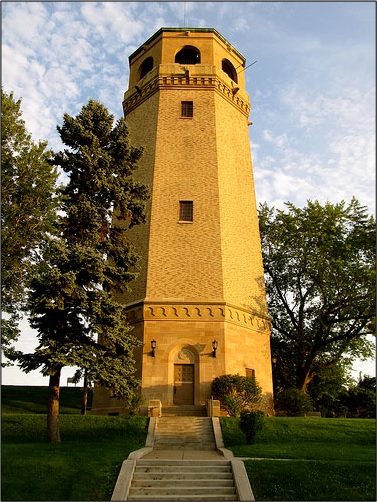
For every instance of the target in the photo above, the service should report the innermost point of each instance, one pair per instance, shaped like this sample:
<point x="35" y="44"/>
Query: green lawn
<point x="308" y="458"/>
<point x="33" y="399"/>
<point x="84" y="466"/>
<point x="292" y="459"/>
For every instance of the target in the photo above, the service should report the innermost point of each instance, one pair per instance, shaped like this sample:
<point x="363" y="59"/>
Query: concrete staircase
<point x="183" y="459"/>
<point x="183" y="480"/>
<point x="184" y="433"/>
<point x="184" y="411"/>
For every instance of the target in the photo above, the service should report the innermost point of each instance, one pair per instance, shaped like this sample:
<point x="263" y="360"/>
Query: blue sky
<point x="312" y="89"/>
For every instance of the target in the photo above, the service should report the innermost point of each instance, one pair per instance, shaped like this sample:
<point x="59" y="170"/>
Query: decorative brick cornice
<point x="194" y="312"/>
<point x="186" y="79"/>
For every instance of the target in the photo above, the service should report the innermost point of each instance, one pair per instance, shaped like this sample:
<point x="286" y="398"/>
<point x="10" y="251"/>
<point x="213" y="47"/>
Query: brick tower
<point x="199" y="303"/>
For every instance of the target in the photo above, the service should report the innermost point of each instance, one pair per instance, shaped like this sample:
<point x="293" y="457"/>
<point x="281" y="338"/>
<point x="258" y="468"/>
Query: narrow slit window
<point x="186" y="210"/>
<point x="250" y="373"/>
<point x="187" y="109"/>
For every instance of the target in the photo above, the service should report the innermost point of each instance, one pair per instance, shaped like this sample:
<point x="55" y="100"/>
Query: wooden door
<point x="183" y="384"/>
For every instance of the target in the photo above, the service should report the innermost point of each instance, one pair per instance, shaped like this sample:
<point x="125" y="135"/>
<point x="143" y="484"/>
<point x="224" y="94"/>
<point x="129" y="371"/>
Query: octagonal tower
<point x="200" y="283"/>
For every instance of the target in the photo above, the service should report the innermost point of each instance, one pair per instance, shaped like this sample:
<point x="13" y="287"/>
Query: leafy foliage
<point x="28" y="210"/>
<point x="359" y="401"/>
<point x="236" y="393"/>
<point x="73" y="299"/>
<point x="326" y="387"/>
<point x="292" y="402"/>
<point x="251" y="422"/>
<point x="319" y="264"/>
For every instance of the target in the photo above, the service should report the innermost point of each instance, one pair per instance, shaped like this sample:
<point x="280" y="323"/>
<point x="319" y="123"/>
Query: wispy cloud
<point x="314" y="125"/>
<point x="329" y="153"/>
<point x="312" y="91"/>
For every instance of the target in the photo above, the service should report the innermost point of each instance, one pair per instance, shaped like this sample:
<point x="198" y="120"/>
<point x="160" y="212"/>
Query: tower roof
<point x="191" y="30"/>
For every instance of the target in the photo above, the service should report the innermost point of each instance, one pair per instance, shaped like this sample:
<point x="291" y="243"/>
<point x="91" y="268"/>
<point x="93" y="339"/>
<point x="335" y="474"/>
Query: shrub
<point x="136" y="401"/>
<point x="293" y="402"/>
<point x="251" y="422"/>
<point x="236" y="393"/>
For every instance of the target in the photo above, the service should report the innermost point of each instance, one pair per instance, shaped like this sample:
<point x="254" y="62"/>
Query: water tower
<point x="199" y="302"/>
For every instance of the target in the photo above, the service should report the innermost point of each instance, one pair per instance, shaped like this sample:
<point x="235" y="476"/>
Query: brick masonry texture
<point x="188" y="271"/>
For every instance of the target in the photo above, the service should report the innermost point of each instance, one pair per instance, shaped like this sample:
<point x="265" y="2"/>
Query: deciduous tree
<point x="28" y="209"/>
<point x="73" y="299"/>
<point x="319" y="264"/>
<point x="360" y="399"/>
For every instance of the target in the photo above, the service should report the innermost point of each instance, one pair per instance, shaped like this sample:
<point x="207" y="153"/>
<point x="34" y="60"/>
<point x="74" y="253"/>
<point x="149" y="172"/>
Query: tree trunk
<point x="304" y="378"/>
<point x="53" y="433"/>
<point x="84" y="395"/>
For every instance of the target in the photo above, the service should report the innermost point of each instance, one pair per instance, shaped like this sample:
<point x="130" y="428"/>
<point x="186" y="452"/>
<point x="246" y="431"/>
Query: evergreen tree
<point x="28" y="209"/>
<point x="73" y="299"/>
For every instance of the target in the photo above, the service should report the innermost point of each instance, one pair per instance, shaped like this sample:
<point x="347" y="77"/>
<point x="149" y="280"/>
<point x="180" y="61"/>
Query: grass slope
<point x="84" y="466"/>
<point x="292" y="459"/>
<point x="308" y="458"/>
<point x="34" y="399"/>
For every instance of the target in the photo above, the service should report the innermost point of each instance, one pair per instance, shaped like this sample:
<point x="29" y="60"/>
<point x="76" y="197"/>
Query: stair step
<point x="182" y="483"/>
<point x="167" y="431"/>
<point x="196" y="464"/>
<point x="161" y="492"/>
<point x="183" y="439"/>
<point x="180" y="475"/>
<point x="180" y="440"/>
<point x="172" y="444"/>
<point x="184" y="411"/>
<point x="184" y="433"/>
<point x="182" y="426"/>
<point x="214" y="497"/>
<point x="164" y="480"/>
<point x="175" y="470"/>
<point x="184" y="430"/>
<point x="186" y="447"/>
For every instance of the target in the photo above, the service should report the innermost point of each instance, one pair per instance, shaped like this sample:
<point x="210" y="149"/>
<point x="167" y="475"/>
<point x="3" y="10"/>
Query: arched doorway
<point x="184" y="377"/>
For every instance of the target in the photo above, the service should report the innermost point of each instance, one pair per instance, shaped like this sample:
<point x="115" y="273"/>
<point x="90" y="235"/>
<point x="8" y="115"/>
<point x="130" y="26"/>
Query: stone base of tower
<point x="181" y="368"/>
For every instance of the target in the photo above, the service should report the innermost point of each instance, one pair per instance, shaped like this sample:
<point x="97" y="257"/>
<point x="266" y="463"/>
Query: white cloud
<point x="313" y="89"/>
<point x="325" y="142"/>
<point x="280" y="141"/>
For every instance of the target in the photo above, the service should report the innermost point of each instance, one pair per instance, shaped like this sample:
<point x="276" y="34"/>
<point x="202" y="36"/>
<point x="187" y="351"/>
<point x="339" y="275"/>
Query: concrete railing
<point x="213" y="407"/>
<point x="154" y="408"/>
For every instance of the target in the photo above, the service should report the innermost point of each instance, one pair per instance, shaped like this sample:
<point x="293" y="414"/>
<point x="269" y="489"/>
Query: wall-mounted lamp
<point x="153" y="346"/>
<point x="235" y="90"/>
<point x="214" y="348"/>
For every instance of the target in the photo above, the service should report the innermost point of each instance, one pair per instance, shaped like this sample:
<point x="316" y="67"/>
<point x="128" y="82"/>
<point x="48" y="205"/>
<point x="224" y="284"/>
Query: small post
<point x="84" y="395"/>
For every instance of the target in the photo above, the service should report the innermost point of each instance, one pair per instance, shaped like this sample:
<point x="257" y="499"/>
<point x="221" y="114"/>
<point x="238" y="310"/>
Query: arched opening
<point x="188" y="55"/>
<point x="145" y="67"/>
<point x="183" y="375"/>
<point x="229" y="69"/>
